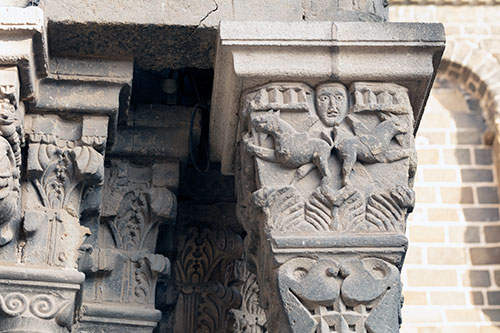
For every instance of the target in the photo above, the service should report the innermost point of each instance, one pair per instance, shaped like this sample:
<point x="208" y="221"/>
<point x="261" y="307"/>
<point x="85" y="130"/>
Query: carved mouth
<point x="332" y="112"/>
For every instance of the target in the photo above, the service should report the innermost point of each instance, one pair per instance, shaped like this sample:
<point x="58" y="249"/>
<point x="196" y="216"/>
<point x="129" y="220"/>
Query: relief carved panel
<point x="318" y="160"/>
<point x="324" y="183"/>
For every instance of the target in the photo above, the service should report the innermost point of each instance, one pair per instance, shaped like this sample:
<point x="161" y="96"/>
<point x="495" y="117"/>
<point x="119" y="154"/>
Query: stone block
<point x="457" y="195"/>
<point x="492" y="234"/>
<point x="456" y="156"/>
<point x="425" y="194"/>
<point x="440" y="175"/>
<point x="442" y="214"/>
<point x="431" y="277"/>
<point x="493" y="297"/>
<point x="485" y="255"/>
<point x="467" y="315"/>
<point x="476" y="298"/>
<point x="481" y="214"/>
<point x="476" y="278"/>
<point x="489" y="329"/>
<point x="483" y="156"/>
<point x="418" y="314"/>
<point x="465" y="120"/>
<point x="426" y="234"/>
<point x="476" y="175"/>
<point x="415" y="298"/>
<point x="465" y="138"/>
<point x="413" y="255"/>
<point x="492" y="314"/>
<point x="428" y="156"/>
<point x="487" y="195"/>
<point x="452" y="100"/>
<point x="496" y="275"/>
<point x="447" y="298"/>
<point x="430" y="138"/>
<point x="446" y="256"/>
<point x="461" y="234"/>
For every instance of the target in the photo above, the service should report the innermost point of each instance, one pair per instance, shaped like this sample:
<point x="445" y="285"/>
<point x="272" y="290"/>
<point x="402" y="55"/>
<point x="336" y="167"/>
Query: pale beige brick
<point x="447" y="298"/>
<point x="463" y="234"/>
<point x="446" y="256"/>
<point x="426" y="234"/>
<point x="461" y="329"/>
<point x="425" y="194"/>
<point x="442" y="214"/>
<point x="418" y="314"/>
<point x="431" y="277"/>
<point x="440" y="175"/>
<point x="463" y="315"/>
<point x="455" y="195"/>
<point x="413" y="255"/>
<point x="415" y="297"/>
<point x="489" y="329"/>
<point x="451" y="99"/>
<point x="428" y="156"/>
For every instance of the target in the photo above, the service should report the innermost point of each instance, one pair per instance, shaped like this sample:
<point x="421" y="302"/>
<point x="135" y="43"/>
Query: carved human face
<point x="331" y="103"/>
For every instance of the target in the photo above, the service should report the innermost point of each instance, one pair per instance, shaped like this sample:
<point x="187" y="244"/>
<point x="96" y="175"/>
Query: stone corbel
<point x="324" y="162"/>
<point x="62" y="109"/>
<point x="119" y="259"/>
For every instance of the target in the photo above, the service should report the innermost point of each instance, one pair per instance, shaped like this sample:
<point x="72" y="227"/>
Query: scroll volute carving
<point x="318" y="160"/>
<point x="340" y="295"/>
<point x="205" y="279"/>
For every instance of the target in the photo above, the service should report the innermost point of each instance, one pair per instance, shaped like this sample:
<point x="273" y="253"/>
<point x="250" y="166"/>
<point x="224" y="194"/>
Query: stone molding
<point x="250" y="53"/>
<point x="444" y="2"/>
<point x="65" y="139"/>
<point x="313" y="125"/>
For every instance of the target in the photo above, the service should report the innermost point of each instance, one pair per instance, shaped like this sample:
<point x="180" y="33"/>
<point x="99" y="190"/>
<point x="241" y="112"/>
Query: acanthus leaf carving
<point x="205" y="276"/>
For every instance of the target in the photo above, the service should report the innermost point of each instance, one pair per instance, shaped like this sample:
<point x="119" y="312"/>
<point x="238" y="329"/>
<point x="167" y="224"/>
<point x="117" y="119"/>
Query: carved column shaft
<point x="324" y="167"/>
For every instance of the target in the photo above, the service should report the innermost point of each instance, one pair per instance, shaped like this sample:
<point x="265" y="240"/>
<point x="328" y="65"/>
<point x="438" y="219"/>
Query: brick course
<point x="451" y="275"/>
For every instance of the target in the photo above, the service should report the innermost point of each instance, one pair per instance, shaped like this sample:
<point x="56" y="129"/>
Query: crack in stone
<point x="203" y="19"/>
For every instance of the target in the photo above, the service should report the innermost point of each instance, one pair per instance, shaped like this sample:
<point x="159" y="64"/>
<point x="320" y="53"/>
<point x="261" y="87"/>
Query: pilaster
<point x="54" y="137"/>
<point x="316" y="120"/>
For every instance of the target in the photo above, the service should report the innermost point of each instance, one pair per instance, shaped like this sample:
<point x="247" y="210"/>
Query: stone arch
<point x="477" y="71"/>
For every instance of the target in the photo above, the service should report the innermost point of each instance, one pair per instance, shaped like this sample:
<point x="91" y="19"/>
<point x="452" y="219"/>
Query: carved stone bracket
<point x="324" y="167"/>
<point x="119" y="260"/>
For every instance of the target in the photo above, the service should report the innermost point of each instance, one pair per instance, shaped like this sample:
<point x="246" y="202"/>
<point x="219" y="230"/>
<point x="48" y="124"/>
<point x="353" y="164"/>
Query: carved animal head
<point x="267" y="122"/>
<point x="398" y="126"/>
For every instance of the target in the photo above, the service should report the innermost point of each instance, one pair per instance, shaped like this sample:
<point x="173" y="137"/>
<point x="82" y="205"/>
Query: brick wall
<point x="452" y="270"/>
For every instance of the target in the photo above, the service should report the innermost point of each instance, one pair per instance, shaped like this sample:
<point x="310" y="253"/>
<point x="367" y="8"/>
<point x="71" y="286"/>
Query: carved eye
<point x="323" y="98"/>
<point x="339" y="97"/>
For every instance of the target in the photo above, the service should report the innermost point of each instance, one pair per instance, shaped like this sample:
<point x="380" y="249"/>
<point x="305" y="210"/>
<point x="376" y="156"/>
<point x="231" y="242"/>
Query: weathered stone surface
<point x="160" y="34"/>
<point x="250" y="54"/>
<point x="204" y="279"/>
<point x="119" y="258"/>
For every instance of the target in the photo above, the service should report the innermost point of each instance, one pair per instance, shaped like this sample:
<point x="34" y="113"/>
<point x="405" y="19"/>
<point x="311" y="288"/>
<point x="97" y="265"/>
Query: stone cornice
<point x="444" y="2"/>
<point x="250" y="53"/>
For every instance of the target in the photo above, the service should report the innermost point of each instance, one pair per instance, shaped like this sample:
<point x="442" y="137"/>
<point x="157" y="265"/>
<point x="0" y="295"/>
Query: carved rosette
<point x="313" y="168"/>
<point x="205" y="278"/>
<point x="119" y="260"/>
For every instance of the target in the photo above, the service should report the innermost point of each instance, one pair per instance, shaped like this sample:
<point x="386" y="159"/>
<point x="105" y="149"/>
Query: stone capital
<point x="311" y="118"/>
